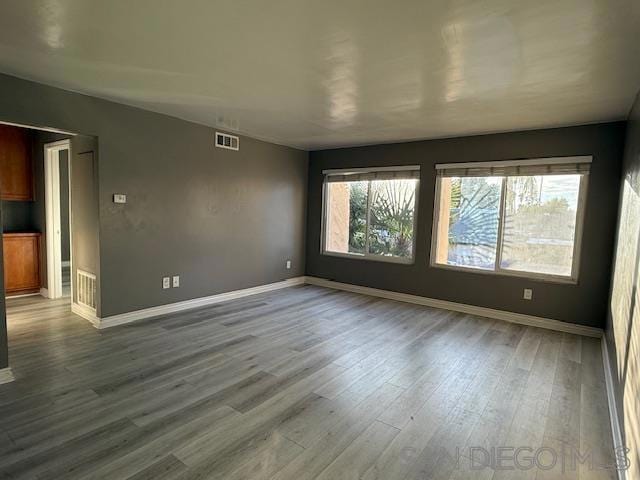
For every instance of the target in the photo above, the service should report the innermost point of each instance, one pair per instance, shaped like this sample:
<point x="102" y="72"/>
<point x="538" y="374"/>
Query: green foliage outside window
<point x="391" y="217"/>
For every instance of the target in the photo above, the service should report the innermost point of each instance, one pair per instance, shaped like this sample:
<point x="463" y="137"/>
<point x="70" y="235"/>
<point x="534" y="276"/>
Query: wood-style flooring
<point x="301" y="383"/>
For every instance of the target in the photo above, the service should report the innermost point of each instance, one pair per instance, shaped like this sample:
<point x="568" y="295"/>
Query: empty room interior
<point x="320" y="240"/>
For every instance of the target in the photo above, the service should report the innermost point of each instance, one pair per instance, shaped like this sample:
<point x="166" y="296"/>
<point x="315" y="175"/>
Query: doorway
<point x="25" y="154"/>
<point x="49" y="223"/>
<point x="58" y="218"/>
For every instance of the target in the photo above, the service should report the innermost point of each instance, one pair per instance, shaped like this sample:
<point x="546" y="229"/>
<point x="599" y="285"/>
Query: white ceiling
<point x="322" y="73"/>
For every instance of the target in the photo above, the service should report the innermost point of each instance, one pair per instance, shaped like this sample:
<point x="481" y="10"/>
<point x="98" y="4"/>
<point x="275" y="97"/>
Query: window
<point x="370" y="213"/>
<point x="516" y="217"/>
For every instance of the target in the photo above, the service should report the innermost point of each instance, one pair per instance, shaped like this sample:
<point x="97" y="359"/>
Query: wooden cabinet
<point x="21" y="263"/>
<point x="16" y="171"/>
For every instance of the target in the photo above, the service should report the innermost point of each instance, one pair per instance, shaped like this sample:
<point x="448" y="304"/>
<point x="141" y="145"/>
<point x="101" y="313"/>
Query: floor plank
<point x="296" y="384"/>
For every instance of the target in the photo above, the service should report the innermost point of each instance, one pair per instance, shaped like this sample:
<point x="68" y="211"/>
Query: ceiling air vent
<point x="230" y="142"/>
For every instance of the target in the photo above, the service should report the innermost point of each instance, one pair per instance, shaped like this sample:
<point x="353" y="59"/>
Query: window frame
<point x="497" y="270"/>
<point x="369" y="256"/>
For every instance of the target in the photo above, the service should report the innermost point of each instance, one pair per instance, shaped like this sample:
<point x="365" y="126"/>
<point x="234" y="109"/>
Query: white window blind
<point x="366" y="174"/>
<point x="514" y="168"/>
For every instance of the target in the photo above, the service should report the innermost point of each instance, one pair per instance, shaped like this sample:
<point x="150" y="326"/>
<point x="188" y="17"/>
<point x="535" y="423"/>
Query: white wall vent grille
<point x="230" y="142"/>
<point x="86" y="287"/>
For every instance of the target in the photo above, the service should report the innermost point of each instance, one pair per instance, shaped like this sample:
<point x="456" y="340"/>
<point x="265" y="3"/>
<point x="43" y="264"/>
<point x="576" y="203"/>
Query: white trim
<point x="33" y="127"/>
<point x="66" y="263"/>
<point x="616" y="431"/>
<point x="346" y="171"/>
<point x="86" y="313"/>
<point x="512" y="317"/>
<point x="516" y="163"/>
<point x="128" y="317"/>
<point x="22" y="295"/>
<point x="6" y="375"/>
<point x="52" y="209"/>
<point x="59" y="144"/>
<point x="44" y="292"/>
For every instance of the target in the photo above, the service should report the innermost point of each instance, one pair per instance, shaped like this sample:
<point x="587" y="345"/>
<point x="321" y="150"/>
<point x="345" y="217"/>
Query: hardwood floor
<point x="296" y="384"/>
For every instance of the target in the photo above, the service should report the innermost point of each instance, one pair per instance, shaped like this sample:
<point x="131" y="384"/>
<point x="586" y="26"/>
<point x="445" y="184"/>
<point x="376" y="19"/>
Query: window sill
<point x="374" y="258"/>
<point x="538" y="277"/>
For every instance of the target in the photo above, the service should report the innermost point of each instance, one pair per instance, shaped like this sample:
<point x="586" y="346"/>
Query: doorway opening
<point x="49" y="220"/>
<point x="58" y="214"/>
<point x="35" y="187"/>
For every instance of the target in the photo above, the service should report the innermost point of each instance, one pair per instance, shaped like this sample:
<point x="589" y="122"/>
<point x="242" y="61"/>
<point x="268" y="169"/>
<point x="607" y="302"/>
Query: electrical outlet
<point x="166" y="282"/>
<point x="119" y="198"/>
<point x="176" y="281"/>
<point x="288" y="264"/>
<point x="528" y="294"/>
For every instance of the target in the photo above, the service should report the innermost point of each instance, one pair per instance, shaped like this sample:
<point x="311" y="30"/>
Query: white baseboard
<point x="128" y="317"/>
<point x="22" y="295"/>
<point x="462" y="307"/>
<point x="6" y="375"/>
<point x="616" y="431"/>
<point x="86" y="313"/>
<point x="519" y="318"/>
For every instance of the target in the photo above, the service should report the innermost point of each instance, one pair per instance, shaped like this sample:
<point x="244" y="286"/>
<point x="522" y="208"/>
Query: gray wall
<point x="584" y="303"/>
<point x="84" y="209"/>
<point x="222" y="220"/>
<point x="623" y="319"/>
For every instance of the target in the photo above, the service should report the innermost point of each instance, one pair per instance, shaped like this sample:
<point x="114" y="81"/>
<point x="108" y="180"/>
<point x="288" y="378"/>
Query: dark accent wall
<point x="584" y="303"/>
<point x="18" y="216"/>
<point x="220" y="219"/>
<point x="623" y="319"/>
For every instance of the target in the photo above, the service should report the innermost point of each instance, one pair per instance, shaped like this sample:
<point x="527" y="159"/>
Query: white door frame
<point x="52" y="208"/>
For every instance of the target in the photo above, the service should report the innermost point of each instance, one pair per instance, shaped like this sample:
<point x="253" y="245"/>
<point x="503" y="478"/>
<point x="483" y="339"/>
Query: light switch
<point x="288" y="264"/>
<point x="119" y="198"/>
